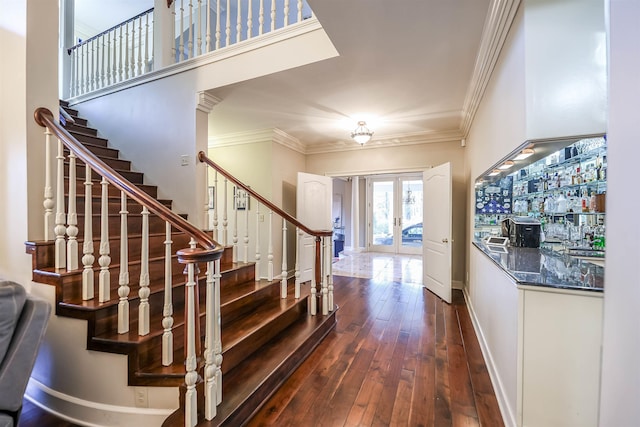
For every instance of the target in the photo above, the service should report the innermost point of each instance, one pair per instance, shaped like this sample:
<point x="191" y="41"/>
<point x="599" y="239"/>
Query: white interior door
<point x="436" y="261"/>
<point x="313" y="207"/>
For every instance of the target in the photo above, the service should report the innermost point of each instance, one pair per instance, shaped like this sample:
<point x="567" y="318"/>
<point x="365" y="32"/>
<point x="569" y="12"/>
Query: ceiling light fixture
<point x="361" y="134"/>
<point x="524" y="154"/>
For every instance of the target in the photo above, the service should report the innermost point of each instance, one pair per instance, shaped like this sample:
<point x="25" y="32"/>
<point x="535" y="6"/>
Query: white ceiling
<point x="405" y="67"/>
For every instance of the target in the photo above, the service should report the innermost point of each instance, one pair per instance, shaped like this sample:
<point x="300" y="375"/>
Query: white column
<point x="67" y="17"/>
<point x="258" y="252"/>
<point x="355" y="214"/>
<point x="270" y="248"/>
<point x="297" y="268"/>
<point x="191" y="376"/>
<point x="283" y="277"/>
<point x="326" y="258"/>
<point x="167" y="310"/>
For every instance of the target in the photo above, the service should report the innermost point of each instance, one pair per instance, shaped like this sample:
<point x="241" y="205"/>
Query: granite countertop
<point x="547" y="266"/>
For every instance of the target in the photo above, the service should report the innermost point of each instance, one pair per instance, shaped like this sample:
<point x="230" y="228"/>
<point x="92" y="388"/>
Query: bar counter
<point x="548" y="266"/>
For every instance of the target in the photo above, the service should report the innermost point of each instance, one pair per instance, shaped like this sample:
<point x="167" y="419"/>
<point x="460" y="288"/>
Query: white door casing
<point x="313" y="207"/>
<point x="436" y="259"/>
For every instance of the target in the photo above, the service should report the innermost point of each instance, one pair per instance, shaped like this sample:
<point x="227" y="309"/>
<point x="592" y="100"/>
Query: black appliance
<point x="522" y="231"/>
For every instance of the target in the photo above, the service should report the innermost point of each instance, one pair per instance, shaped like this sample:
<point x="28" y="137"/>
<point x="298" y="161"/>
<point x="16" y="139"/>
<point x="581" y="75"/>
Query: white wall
<point x="404" y="158"/>
<point x="621" y="344"/>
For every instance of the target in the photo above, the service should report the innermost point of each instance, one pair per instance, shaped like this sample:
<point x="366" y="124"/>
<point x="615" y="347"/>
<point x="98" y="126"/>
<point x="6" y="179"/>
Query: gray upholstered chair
<point x="23" y="320"/>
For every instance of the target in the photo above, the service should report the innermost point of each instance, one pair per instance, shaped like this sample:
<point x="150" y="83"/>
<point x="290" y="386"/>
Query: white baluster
<point x="181" y="45"/>
<point x="330" y="275"/>
<point x="273" y="15"/>
<point x="238" y="21"/>
<point x="245" y="257"/>
<point x="123" y="278"/>
<point x="258" y="255"/>
<point x="126" y="51"/>
<point x="191" y="30"/>
<point x="325" y="268"/>
<point x="85" y="68"/>
<point x="299" y="10"/>
<point x="72" y="217"/>
<point x="283" y="282"/>
<point x="217" y="333"/>
<point x="313" y="306"/>
<point x="199" y="44"/>
<point x="235" y="224"/>
<point x="132" y="62"/>
<point x="191" y="376"/>
<point x="121" y="54"/>
<point x="261" y="18"/>
<point x="103" y="73"/>
<point x="87" y="246"/>
<point x="147" y="64"/>
<point x="114" y="52"/>
<point x="217" y="24"/>
<point x="208" y="35"/>
<point x="60" y="229"/>
<point x="167" y="310"/>
<point x="213" y="345"/>
<point x="109" y="81"/>
<point x="92" y="74"/>
<point x="215" y="206"/>
<point x="48" y="203"/>
<point x="104" y="282"/>
<point x="228" y="26"/>
<point x="77" y="68"/>
<point x="286" y="12"/>
<point x="140" y="46"/>
<point x="173" y="32"/>
<point x="225" y="223"/>
<point x="270" y="248"/>
<point x="249" y="19"/>
<point x="143" y="293"/>
<point x="297" y="267"/>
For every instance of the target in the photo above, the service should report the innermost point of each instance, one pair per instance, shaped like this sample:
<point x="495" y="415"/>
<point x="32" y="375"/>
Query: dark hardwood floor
<point x="399" y="356"/>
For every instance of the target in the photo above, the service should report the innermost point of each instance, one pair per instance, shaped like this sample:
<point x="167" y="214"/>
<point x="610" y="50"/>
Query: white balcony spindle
<point x="60" y="229"/>
<point x="270" y="248"/>
<point x="245" y="257"/>
<point x="258" y="253"/>
<point x="191" y="376"/>
<point x="238" y="21"/>
<point x="228" y="26"/>
<point x="123" y="278"/>
<point x="121" y="54"/>
<point x="286" y="12"/>
<point x="173" y="32"/>
<point x="297" y="267"/>
<point x="147" y="64"/>
<point x="127" y="74"/>
<point x="85" y="67"/>
<point x="283" y="282"/>
<point x="299" y="10"/>
<point x="273" y="15"/>
<point x="249" y="19"/>
<point x="143" y="293"/>
<point x="109" y="81"/>
<point x="234" y="238"/>
<point x="132" y="61"/>
<point x="199" y="41"/>
<point x="261" y="19"/>
<point x="92" y="73"/>
<point x="191" y="30"/>
<point x="215" y="206"/>
<point x="208" y="29"/>
<point x="48" y="203"/>
<point x="102" y="68"/>
<point x="87" y="247"/>
<point x="181" y="44"/>
<point x="325" y="268"/>
<point x="225" y="221"/>
<point x="114" y="53"/>
<point x="140" y="46"/>
<point x="72" y="217"/>
<point x="167" y="310"/>
<point x="217" y="24"/>
<point x="104" y="282"/>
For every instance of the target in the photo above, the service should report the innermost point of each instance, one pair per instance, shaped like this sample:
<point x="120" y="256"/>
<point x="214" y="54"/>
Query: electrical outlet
<point x="142" y="397"/>
<point x="184" y="160"/>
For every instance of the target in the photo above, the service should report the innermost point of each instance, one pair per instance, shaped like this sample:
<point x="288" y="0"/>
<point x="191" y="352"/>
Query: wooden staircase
<point x="264" y="337"/>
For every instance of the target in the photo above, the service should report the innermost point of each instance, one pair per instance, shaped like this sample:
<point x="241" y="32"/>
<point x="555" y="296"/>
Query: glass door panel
<point x="382" y="214"/>
<point x="411" y="220"/>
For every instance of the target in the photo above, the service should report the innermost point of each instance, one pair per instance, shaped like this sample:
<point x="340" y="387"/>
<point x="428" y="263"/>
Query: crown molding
<point x="496" y="27"/>
<point x="257" y="136"/>
<point x="205" y="102"/>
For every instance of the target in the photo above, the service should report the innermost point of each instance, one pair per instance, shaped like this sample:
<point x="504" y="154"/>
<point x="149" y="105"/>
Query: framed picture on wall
<point x="212" y="199"/>
<point x="241" y="199"/>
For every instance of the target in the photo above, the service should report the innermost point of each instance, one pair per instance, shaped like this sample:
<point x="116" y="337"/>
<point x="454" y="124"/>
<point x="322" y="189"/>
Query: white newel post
<point x="87" y="247"/>
<point x="167" y="310"/>
<point x="270" y="248"/>
<point x="213" y="344"/>
<point x="297" y="267"/>
<point x="48" y="203"/>
<point x="143" y="309"/>
<point x="325" y="268"/>
<point x="215" y="206"/>
<point x="72" y="217"/>
<point x="60" y="229"/>
<point x="191" y="376"/>
<point x="330" y="275"/>
<point x="104" y="282"/>
<point x="245" y="257"/>
<point x="217" y="331"/>
<point x="283" y="281"/>
<point x="258" y="253"/>
<point x="313" y="307"/>
<point x="235" y="224"/>
<point x="123" y="278"/>
<point x="225" y="222"/>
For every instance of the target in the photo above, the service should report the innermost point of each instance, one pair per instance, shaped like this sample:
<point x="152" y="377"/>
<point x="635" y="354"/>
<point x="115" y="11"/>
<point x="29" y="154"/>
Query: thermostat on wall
<point x="496" y="240"/>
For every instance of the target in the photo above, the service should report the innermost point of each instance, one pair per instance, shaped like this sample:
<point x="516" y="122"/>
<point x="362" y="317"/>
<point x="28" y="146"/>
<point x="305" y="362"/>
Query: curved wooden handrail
<point x="69" y="50"/>
<point x="316" y="233"/>
<point x="212" y="250"/>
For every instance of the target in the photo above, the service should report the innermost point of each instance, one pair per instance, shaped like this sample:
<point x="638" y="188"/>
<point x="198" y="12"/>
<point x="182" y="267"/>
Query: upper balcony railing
<point x="196" y="27"/>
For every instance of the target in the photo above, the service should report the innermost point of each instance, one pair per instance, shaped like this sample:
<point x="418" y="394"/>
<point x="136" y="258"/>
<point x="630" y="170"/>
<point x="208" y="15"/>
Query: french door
<point x="395" y="206"/>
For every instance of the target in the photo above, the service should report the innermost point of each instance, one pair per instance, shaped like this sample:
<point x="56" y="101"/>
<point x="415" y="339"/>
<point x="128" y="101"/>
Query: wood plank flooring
<point x="399" y="356"/>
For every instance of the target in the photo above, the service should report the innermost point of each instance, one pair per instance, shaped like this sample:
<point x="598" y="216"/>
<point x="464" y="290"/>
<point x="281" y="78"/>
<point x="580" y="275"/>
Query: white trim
<point x="93" y="414"/>
<point x="295" y="30"/>
<point x="205" y="102"/>
<point x="501" y="395"/>
<point x="457" y="284"/>
<point x="257" y="136"/>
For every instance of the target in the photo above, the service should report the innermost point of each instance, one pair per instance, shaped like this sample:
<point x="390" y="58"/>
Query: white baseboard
<point x="508" y="413"/>
<point x="457" y="284"/>
<point x="93" y="414"/>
